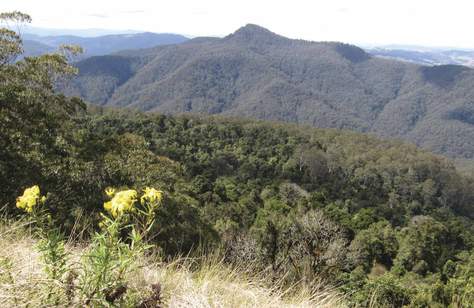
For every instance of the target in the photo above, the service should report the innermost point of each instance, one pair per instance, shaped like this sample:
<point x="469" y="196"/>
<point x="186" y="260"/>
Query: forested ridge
<point x="258" y="74"/>
<point x="36" y="45"/>
<point x="387" y="223"/>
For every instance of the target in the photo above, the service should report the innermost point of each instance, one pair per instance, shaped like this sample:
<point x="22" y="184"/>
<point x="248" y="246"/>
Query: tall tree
<point x="33" y="117"/>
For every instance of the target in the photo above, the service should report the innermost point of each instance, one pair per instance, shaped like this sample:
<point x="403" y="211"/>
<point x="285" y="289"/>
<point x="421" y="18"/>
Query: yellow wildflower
<point x="108" y="206"/>
<point x="151" y="195"/>
<point x="110" y="192"/>
<point x="31" y="197"/>
<point x="122" y="202"/>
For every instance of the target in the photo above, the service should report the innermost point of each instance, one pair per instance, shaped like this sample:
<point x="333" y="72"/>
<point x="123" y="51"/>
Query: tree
<point x="10" y="41"/>
<point x="375" y="245"/>
<point x="424" y="246"/>
<point x="34" y="118"/>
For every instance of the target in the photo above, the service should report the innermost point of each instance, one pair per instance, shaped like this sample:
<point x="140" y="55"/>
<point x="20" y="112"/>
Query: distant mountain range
<point x="90" y="32"/>
<point x="99" y="45"/>
<point x="102" y="42"/>
<point x="259" y="74"/>
<point x="426" y="56"/>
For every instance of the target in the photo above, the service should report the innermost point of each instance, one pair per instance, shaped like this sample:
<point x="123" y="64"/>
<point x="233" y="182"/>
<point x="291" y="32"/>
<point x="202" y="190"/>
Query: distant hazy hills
<point x="256" y="73"/>
<point x="426" y="56"/>
<point x="35" y="48"/>
<point x="100" y="45"/>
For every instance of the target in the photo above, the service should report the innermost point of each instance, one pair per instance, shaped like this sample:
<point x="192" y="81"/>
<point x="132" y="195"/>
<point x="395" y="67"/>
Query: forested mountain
<point x="389" y="224"/>
<point x="100" y="45"/>
<point x="256" y="73"/>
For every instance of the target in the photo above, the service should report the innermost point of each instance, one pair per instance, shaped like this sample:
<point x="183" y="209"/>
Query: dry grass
<point x="207" y="282"/>
<point x="185" y="282"/>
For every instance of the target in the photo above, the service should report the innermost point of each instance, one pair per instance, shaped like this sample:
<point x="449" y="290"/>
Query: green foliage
<point x="375" y="245"/>
<point x="10" y="41"/>
<point x="460" y="287"/>
<point x="301" y="203"/>
<point x="54" y="255"/>
<point x="385" y="291"/>
<point x="424" y="246"/>
<point x="34" y="119"/>
<point x="106" y="265"/>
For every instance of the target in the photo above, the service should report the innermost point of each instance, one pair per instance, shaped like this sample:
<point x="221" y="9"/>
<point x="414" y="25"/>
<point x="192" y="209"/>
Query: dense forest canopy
<point x="303" y="203"/>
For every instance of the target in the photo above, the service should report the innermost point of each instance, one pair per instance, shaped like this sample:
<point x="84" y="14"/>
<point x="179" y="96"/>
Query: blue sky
<point x="367" y="22"/>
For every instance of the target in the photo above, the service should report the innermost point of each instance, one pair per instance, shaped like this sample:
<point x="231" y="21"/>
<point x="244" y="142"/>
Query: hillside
<point x="256" y="73"/>
<point x="100" y="45"/>
<point x="387" y="223"/>
<point x="386" y="219"/>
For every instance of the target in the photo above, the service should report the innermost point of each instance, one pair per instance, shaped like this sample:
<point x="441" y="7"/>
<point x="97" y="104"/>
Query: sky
<point x="362" y="22"/>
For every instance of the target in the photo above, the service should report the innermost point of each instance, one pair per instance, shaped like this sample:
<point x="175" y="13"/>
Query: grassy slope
<point x="185" y="282"/>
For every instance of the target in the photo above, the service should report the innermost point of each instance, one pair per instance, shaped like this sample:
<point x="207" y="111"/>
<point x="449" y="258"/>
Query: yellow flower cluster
<point x="110" y="192"/>
<point x="30" y="199"/>
<point x="124" y="201"/>
<point x="121" y="202"/>
<point x="151" y="195"/>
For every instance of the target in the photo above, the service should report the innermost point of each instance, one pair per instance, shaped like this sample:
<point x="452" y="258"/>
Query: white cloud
<point x="420" y="22"/>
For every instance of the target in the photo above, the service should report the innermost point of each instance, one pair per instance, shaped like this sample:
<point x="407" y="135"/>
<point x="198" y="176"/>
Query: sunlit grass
<point x="183" y="282"/>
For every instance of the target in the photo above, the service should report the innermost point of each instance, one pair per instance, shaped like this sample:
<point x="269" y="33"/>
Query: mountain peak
<point x="253" y="29"/>
<point x="255" y="33"/>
